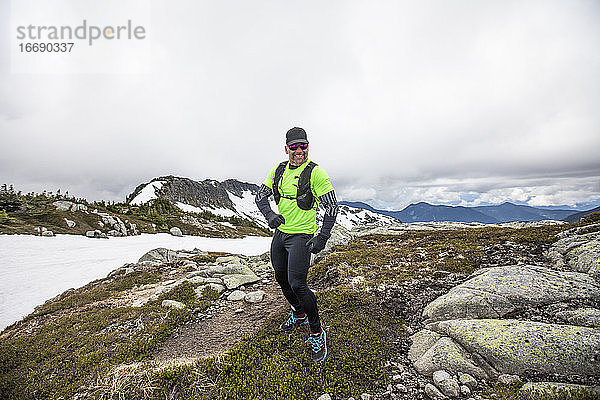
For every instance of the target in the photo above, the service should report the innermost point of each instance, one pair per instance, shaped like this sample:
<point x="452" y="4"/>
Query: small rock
<point x="173" y="304"/>
<point x="255" y="297"/>
<point x="365" y="396"/>
<point x="48" y="234"/>
<point x="175" y="231"/>
<point x="234" y="281"/>
<point x="236" y="295"/>
<point x="465" y="391"/>
<point x="446" y="383"/>
<point x="510" y="380"/>
<point x="467" y="380"/>
<point x="433" y="392"/>
<point x="401" y="388"/>
<point x="239" y="311"/>
<point x="324" y="397"/>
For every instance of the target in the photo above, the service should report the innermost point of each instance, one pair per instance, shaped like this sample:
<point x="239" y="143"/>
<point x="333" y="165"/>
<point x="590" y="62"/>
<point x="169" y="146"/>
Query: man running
<point x="299" y="186"/>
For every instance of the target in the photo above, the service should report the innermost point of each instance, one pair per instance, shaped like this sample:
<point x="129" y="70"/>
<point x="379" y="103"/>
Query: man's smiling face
<point x="297" y="154"/>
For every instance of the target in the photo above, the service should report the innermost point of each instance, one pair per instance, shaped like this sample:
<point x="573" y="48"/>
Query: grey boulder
<point x="494" y="292"/>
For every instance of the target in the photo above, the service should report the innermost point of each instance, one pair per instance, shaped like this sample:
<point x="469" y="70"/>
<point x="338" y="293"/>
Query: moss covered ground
<point x="85" y="344"/>
<point x="68" y="343"/>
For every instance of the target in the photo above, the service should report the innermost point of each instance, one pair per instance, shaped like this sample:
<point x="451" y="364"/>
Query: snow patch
<point x="189" y="208"/>
<point x="246" y="207"/>
<point x="223" y="212"/>
<point x="147" y="193"/>
<point x="34" y="269"/>
<point x="349" y="217"/>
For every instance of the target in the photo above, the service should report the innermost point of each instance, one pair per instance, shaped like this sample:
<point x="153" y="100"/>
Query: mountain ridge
<point x="232" y="198"/>
<point x="491" y="214"/>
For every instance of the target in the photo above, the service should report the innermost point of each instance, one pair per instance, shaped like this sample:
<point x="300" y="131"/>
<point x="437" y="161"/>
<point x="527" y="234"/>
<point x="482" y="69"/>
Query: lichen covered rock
<point x="512" y="346"/>
<point x="494" y="292"/>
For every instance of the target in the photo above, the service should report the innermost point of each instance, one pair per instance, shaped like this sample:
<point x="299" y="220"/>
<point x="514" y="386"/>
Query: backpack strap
<point x="278" y="174"/>
<point x="305" y="198"/>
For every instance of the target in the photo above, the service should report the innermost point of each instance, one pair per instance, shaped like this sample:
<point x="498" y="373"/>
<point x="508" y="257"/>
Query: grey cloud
<point x="400" y="100"/>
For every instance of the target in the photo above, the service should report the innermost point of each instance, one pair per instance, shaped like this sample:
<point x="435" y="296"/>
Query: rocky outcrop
<point x="45" y="232"/>
<point x="579" y="250"/>
<point x="512" y="346"/>
<point x="96" y="234"/>
<point x="162" y="255"/>
<point x="517" y="320"/>
<point x="115" y="225"/>
<point x="63" y="205"/>
<point x="495" y="292"/>
<point x="224" y="275"/>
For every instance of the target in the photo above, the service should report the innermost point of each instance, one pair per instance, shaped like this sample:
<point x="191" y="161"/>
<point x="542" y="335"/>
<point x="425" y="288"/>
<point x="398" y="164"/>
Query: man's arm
<point x="262" y="202"/>
<point x="329" y="203"/>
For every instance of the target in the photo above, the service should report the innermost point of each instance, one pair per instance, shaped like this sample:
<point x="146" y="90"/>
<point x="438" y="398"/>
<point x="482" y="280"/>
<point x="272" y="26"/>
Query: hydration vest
<point x="304" y="197"/>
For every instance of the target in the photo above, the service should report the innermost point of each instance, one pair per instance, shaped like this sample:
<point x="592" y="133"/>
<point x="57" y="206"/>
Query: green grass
<point x="396" y="258"/>
<point x="71" y="351"/>
<point x="275" y="365"/>
<point x="96" y="291"/>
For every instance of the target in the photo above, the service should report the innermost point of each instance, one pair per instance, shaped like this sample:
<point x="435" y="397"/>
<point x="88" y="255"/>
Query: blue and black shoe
<point x="318" y="346"/>
<point x="292" y="322"/>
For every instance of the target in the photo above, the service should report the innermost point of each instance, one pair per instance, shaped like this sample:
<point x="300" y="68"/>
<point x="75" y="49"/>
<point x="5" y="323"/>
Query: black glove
<point x="317" y="243"/>
<point x="275" y="220"/>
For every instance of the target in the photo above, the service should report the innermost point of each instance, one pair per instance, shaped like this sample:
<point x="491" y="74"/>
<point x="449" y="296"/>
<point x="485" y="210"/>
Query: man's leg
<point x="279" y="259"/>
<point x="298" y="264"/>
<point x="297" y="271"/>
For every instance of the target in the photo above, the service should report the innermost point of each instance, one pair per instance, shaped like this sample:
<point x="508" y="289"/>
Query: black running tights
<point x="291" y="259"/>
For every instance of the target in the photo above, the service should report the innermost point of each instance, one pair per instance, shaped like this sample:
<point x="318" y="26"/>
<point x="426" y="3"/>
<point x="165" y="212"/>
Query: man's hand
<point x="317" y="243"/>
<point x="275" y="220"/>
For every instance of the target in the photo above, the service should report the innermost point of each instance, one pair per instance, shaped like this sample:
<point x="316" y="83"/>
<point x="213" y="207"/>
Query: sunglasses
<point x="303" y="146"/>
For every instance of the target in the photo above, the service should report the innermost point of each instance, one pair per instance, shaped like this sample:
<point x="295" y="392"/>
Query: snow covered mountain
<point x="232" y="198"/>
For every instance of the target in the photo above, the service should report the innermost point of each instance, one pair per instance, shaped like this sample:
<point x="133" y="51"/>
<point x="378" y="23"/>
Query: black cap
<point x="295" y="135"/>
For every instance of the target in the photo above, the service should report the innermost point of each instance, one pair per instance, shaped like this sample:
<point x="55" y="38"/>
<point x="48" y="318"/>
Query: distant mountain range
<point x="505" y="212"/>
<point x="577" y="216"/>
<point x="232" y="198"/>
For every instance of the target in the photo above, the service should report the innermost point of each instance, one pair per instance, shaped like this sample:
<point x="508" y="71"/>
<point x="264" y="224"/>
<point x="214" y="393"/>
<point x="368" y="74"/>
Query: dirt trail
<point x="214" y="335"/>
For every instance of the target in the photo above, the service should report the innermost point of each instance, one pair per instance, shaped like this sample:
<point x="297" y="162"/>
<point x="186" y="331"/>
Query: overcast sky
<point x="449" y="102"/>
